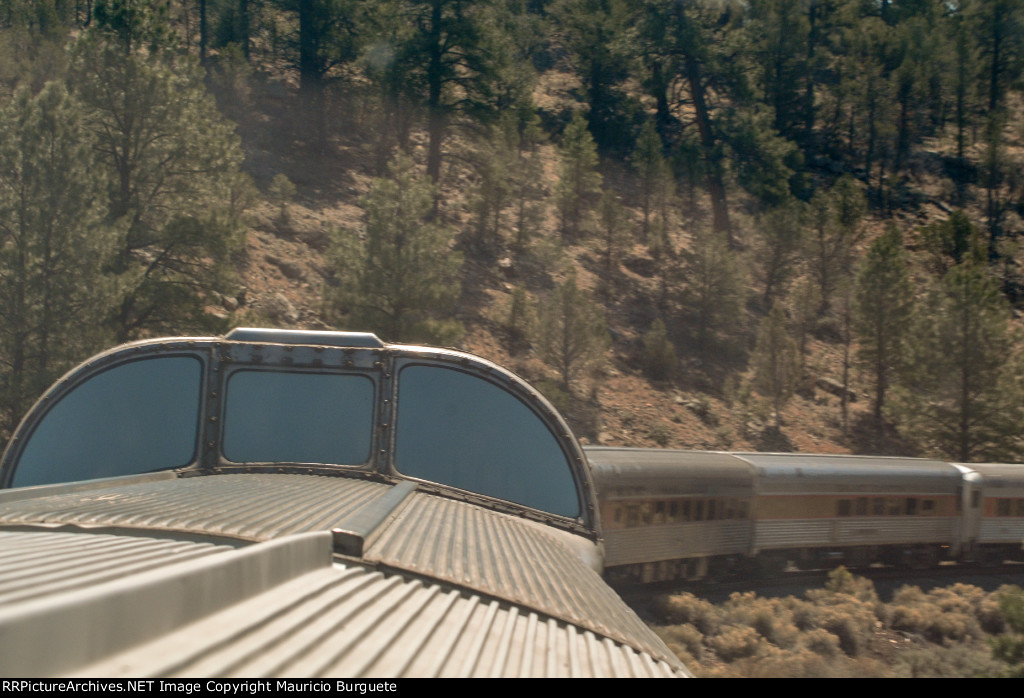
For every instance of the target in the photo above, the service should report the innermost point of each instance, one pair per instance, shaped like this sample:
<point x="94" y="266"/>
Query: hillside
<point x="768" y="226"/>
<point x="283" y="273"/>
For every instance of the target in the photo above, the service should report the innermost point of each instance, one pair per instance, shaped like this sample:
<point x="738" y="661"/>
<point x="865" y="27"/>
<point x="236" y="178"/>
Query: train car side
<point x="689" y="514"/>
<point x="673" y="514"/>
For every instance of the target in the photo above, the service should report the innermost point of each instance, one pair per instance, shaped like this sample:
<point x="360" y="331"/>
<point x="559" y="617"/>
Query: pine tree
<point x="656" y="185"/>
<point x="402" y="280"/>
<point x="776" y="362"/>
<point x="884" y="303"/>
<point x="660" y="361"/>
<point x="596" y="33"/>
<point x="492" y="193"/>
<point x="613" y="237"/>
<point x="529" y="194"/>
<point x="712" y="296"/>
<point x="54" y="246"/>
<point x="579" y="182"/>
<point x="172" y="163"/>
<point x="571" y="332"/>
<point x="960" y="390"/>
<point x="781" y="241"/>
<point x="836" y="229"/>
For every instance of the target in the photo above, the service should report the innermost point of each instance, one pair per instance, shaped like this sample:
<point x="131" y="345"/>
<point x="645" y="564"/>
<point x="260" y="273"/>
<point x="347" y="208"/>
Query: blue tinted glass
<point x="276" y="417"/>
<point x="133" y="418"/>
<point x="461" y="430"/>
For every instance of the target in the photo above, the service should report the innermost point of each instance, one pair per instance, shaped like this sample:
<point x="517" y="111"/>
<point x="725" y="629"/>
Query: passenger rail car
<point x="283" y="503"/>
<point x="688" y="515"/>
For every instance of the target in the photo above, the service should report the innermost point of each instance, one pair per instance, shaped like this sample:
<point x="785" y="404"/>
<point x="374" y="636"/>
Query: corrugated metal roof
<point x="511" y="560"/>
<point x="256" y="506"/>
<point x="497" y="555"/>
<point x="353" y="623"/>
<point x="34" y="564"/>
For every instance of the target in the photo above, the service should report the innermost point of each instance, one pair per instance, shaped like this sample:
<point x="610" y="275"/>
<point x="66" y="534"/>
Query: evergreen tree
<point x="492" y="192"/>
<point x="441" y="54"/>
<point x="54" y="246"/>
<point x="836" y="229"/>
<point x="173" y="165"/>
<point x="614" y="237"/>
<point x="960" y="389"/>
<point x="402" y="280"/>
<point x="527" y="177"/>
<point x="712" y="296"/>
<point x="776" y="363"/>
<point x="327" y="37"/>
<point x="579" y="182"/>
<point x="947" y="243"/>
<point x="683" y="47"/>
<point x="571" y="332"/>
<point x="781" y="241"/>
<point x="884" y="304"/>
<point x="597" y="35"/>
<point x="655" y="179"/>
<point x="659" y="353"/>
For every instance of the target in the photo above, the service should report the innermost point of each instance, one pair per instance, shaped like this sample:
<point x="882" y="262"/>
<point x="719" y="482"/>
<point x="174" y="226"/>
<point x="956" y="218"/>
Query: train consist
<point x="304" y="504"/>
<point x="692" y="515"/>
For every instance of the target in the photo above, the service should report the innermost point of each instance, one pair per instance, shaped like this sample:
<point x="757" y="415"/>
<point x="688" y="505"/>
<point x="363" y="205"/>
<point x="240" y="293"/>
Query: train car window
<point x="712" y="509"/>
<point x="894" y="506"/>
<point x="288" y="417"/>
<point x="927" y="506"/>
<point x="862" y="506"/>
<point x="673" y="512"/>
<point x="1020" y="507"/>
<point x="659" y="512"/>
<point x="617" y="516"/>
<point x="699" y="510"/>
<point x="687" y="511"/>
<point x="645" y="513"/>
<point x="975" y="499"/>
<point x="878" y="506"/>
<point x="632" y="515"/>
<point x="843" y="508"/>
<point x="494" y="443"/>
<point x="744" y="509"/>
<point x="911" y="506"/>
<point x="1002" y="507"/>
<point x="113" y="424"/>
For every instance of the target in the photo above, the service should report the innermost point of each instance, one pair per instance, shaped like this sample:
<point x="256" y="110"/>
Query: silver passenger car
<point x="692" y="514"/>
<point x="281" y="503"/>
<point x="672" y="514"/>
<point x="994" y="511"/>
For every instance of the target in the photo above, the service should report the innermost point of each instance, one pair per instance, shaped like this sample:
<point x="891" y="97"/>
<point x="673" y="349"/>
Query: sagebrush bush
<point x="841" y="630"/>
<point x="735" y="643"/>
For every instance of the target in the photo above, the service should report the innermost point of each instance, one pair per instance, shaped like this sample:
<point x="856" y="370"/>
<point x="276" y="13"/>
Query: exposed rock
<point x="277" y="307"/>
<point x="835" y="388"/>
<point x="289" y="269"/>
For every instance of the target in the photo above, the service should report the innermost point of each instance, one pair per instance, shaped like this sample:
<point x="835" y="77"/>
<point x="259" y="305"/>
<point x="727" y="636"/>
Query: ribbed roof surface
<point x="349" y="622"/>
<point x="496" y="555"/>
<point x="505" y="560"/>
<point x="35" y="564"/>
<point x="250" y="506"/>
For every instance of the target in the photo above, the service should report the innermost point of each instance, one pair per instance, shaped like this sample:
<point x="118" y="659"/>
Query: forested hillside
<point x="771" y="225"/>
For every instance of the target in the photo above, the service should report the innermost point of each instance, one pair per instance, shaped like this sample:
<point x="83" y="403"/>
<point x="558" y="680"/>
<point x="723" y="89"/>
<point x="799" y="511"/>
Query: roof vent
<point x="315" y="337"/>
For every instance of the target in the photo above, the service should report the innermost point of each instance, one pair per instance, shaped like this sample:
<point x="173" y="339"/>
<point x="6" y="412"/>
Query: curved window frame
<point x="77" y="378"/>
<point x="224" y="461"/>
<point x="528" y="399"/>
